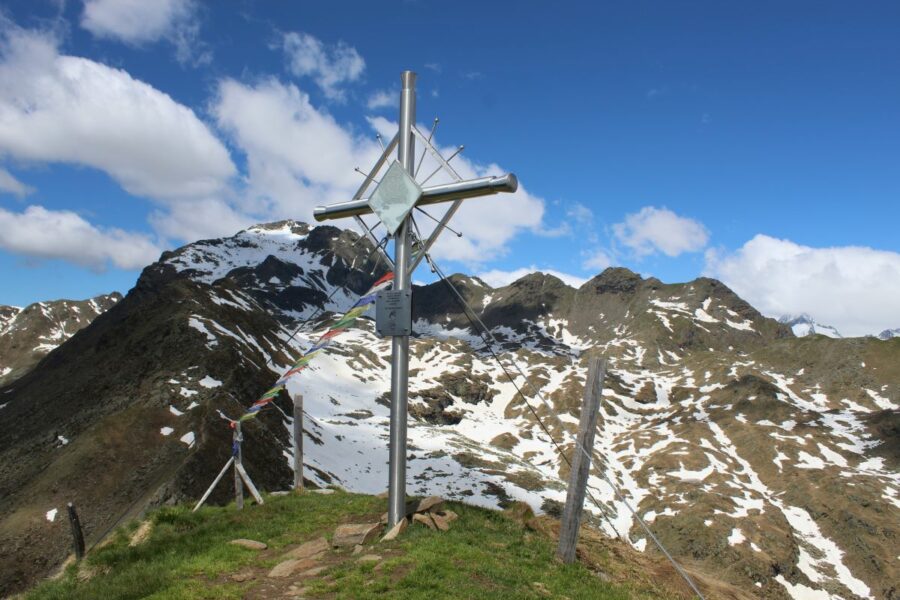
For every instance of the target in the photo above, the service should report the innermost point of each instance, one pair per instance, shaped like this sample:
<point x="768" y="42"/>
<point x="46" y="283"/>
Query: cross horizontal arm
<point x="458" y="190"/>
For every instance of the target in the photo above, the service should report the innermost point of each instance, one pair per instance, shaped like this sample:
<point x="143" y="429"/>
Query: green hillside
<point x="485" y="554"/>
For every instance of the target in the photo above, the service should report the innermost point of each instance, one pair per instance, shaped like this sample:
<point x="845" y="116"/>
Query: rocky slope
<point x="28" y="334"/>
<point x="768" y="460"/>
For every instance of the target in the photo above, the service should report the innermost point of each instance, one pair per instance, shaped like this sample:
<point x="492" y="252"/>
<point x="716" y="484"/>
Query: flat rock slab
<point x="309" y="549"/>
<point x="396" y="530"/>
<point x="289" y="567"/>
<point x="351" y="535"/>
<point x="322" y="491"/>
<point x="431" y="503"/>
<point x="249" y="544"/>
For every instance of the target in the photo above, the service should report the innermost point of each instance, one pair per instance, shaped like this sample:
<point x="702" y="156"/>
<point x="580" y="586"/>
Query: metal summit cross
<point x="394" y="198"/>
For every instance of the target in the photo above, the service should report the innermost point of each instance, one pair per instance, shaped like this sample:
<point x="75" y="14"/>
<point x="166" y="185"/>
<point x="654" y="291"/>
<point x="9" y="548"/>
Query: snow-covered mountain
<point x="803" y="325"/>
<point x="28" y="334"/>
<point x="766" y="461"/>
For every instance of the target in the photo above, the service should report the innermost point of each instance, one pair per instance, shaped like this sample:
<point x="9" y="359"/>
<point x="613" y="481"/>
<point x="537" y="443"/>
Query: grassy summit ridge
<point x="486" y="554"/>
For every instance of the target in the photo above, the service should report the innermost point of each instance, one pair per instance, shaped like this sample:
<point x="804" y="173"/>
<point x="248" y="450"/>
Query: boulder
<point x="353" y="534"/>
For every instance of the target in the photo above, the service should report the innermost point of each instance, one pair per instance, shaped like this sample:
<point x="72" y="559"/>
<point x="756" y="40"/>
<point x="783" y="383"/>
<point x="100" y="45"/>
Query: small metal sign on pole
<point x="392" y="201"/>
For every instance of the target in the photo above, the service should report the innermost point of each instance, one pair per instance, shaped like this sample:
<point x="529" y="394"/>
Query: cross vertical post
<point x="400" y="344"/>
<point x="396" y="194"/>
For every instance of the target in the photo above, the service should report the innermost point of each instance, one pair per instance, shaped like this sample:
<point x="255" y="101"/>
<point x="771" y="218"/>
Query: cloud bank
<point x="856" y="289"/>
<point x="47" y="234"/>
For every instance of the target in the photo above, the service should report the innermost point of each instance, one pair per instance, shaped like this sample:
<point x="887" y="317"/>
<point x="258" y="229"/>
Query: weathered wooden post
<point x="298" y="442"/>
<point x="77" y="534"/>
<point x="581" y="462"/>
<point x="238" y="481"/>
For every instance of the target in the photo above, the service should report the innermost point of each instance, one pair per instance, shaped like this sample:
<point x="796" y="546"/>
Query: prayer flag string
<point x="325" y="340"/>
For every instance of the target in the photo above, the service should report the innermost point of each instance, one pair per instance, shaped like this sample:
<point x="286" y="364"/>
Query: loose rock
<point x="351" y="535"/>
<point x="449" y="515"/>
<point x="289" y="567"/>
<point x="308" y="549"/>
<point x="249" y="544"/>
<point x="431" y="503"/>
<point x="424" y="519"/>
<point x="440" y="522"/>
<point x="396" y="530"/>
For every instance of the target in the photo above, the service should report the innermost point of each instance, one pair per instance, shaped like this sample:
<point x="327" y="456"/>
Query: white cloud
<point x="329" y="66"/>
<point x="297" y="157"/>
<point x="134" y="21"/>
<point x="654" y="230"/>
<point x="137" y="22"/>
<point x="13" y="186"/>
<point x="597" y="260"/>
<point x="855" y="289"/>
<point x="64" y="235"/>
<point x="499" y="278"/>
<point x="56" y="108"/>
<point x="381" y="99"/>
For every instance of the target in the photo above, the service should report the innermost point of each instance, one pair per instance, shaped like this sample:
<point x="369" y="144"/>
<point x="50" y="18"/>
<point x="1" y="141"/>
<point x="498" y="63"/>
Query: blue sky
<point x="756" y="142"/>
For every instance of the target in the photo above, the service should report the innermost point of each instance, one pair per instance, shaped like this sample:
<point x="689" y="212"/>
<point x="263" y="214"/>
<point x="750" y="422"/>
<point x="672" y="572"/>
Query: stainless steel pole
<point x="400" y="344"/>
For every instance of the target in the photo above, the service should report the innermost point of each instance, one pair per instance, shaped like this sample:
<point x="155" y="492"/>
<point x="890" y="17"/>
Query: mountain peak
<point x="803" y="325"/>
<point x="615" y="280"/>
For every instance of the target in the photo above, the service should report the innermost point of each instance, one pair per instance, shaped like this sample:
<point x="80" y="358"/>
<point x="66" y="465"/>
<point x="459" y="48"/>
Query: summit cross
<point x="393" y="200"/>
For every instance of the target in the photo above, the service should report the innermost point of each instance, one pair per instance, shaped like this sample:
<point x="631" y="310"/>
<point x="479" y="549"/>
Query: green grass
<point x="484" y="555"/>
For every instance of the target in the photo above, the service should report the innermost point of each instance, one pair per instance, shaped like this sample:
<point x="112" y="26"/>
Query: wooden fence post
<point x="298" y="442"/>
<point x="581" y="462"/>
<point x="238" y="464"/>
<point x="77" y="534"/>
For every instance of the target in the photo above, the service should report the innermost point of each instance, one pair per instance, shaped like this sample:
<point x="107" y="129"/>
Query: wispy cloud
<point x="329" y="65"/>
<point x="381" y="99"/>
<point x="138" y="22"/>
<point x="11" y="185"/>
